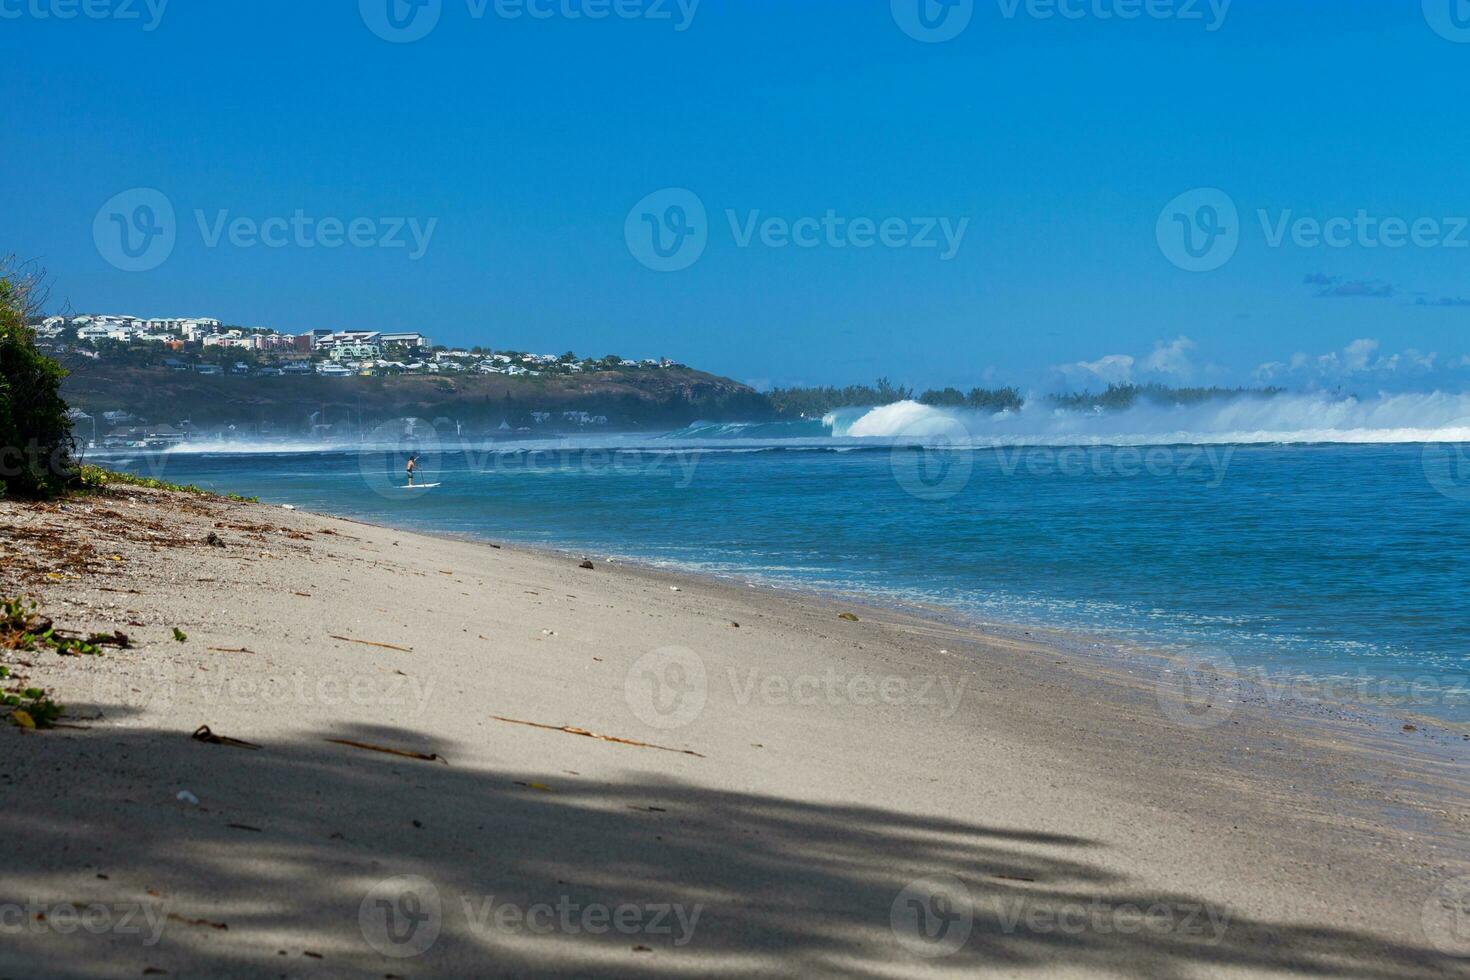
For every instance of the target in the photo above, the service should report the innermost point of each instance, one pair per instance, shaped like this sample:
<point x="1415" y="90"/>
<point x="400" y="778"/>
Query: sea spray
<point x="1244" y="419"/>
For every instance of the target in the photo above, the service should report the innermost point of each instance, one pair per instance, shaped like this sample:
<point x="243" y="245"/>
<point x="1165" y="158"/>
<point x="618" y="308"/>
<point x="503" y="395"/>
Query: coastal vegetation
<point x="1118" y="397"/>
<point x="994" y="400"/>
<point x="310" y="404"/>
<point x="35" y="432"/>
<point x="96" y="478"/>
<point x="816" y="402"/>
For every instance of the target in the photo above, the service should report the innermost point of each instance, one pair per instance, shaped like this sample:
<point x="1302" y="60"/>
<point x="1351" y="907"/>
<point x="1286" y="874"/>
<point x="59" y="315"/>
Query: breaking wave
<point x="1280" y="419"/>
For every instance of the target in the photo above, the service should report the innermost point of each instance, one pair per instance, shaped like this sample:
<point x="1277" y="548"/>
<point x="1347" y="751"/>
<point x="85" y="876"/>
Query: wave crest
<point x="1386" y="418"/>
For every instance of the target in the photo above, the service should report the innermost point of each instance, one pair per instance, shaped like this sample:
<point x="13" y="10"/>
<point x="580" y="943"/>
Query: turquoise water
<point x="1341" y="561"/>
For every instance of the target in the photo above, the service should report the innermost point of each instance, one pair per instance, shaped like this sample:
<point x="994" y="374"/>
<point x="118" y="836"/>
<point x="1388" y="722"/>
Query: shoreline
<point x="832" y="763"/>
<point x="1286" y="667"/>
<point x="1111" y="653"/>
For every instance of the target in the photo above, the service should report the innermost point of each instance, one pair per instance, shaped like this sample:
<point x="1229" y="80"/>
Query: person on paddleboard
<point x="413" y="464"/>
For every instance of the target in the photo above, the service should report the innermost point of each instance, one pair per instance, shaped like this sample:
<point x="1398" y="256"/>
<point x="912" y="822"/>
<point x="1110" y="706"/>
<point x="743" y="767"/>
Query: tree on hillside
<point x="35" y="433"/>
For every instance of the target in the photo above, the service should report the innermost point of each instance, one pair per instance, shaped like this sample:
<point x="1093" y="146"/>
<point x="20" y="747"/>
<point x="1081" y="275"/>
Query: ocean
<point x="1313" y="543"/>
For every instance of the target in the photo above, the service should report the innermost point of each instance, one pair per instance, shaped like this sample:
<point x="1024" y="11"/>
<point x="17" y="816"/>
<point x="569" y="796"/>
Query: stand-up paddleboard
<point x="422" y="486"/>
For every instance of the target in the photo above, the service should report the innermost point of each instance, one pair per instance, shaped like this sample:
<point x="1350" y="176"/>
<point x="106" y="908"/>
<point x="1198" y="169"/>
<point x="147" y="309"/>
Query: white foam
<point x="1320" y="418"/>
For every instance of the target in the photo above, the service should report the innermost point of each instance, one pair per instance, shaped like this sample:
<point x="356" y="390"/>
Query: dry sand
<point x="892" y="796"/>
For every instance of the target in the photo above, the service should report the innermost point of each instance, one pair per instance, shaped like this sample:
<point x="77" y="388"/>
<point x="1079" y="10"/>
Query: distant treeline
<point x="815" y="402"/>
<point x="993" y="400"/>
<point x="1119" y="397"/>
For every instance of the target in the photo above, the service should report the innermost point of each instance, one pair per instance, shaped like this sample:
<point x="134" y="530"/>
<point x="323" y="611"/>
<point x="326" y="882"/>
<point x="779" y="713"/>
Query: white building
<point x="197" y="329"/>
<point x="104" y="331"/>
<point x="324" y="341"/>
<point x="355" y="352"/>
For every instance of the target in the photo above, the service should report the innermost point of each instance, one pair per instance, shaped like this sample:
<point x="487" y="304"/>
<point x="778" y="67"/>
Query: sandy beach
<point x="612" y="771"/>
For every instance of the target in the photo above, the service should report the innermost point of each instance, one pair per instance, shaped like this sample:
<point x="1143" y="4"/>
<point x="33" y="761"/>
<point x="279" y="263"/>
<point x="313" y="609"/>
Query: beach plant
<point x="21" y="628"/>
<point x="35" y="433"/>
<point x="95" y="478"/>
<point x="32" y="708"/>
<point x="17" y="619"/>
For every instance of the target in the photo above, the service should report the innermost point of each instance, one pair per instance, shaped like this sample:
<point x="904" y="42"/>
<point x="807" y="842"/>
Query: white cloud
<point x="1422" y="362"/>
<point x="1358" y="360"/>
<point x="1358" y="353"/>
<point x="1271" y="370"/>
<point x="1171" y="358"/>
<point x="1112" y="369"/>
<point x="1361" y="361"/>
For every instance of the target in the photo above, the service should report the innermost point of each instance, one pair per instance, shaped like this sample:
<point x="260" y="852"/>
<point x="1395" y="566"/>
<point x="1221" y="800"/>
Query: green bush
<point x="92" y="479"/>
<point x="35" y="433"/>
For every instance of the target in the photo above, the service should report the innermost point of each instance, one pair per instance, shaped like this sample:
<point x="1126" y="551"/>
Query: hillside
<point x="667" y="397"/>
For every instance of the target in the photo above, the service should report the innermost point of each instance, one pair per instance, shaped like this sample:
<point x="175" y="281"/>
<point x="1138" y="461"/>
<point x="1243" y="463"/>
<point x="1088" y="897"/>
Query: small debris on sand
<point x="370" y="643"/>
<point x="197" y="922"/>
<point x="203" y="734"/>
<point x="584" y="733"/>
<point x="421" y="756"/>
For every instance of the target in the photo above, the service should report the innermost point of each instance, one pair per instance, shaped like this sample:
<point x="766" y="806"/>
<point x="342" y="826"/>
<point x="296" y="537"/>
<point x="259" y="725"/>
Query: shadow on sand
<point x="290" y="848"/>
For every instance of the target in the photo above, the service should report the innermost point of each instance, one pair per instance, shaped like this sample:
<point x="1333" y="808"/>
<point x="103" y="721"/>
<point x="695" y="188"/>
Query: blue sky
<point x="524" y="150"/>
